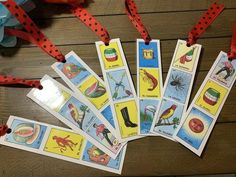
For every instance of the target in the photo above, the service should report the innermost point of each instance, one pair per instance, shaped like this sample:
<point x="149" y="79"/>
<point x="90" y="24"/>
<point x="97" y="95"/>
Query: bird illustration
<point x="168" y="113"/>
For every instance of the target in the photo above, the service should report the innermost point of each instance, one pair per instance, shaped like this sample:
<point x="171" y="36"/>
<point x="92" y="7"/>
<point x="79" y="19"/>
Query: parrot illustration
<point x="187" y="57"/>
<point x="76" y="114"/>
<point x="168" y="113"/>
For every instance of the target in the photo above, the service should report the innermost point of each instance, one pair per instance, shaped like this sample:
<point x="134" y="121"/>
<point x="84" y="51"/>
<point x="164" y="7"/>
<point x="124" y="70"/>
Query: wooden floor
<point x="167" y="20"/>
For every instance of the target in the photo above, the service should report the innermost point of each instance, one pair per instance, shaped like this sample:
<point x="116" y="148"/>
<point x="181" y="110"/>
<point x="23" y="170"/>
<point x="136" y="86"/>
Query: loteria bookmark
<point x="60" y="143"/>
<point x="86" y="84"/>
<point x="180" y="77"/>
<point x="149" y="72"/>
<point x="120" y="88"/>
<point x="75" y="113"/>
<point x="205" y="108"/>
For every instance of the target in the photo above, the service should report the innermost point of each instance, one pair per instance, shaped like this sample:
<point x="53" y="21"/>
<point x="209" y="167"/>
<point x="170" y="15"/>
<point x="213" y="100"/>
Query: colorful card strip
<point x="177" y="89"/>
<point x="149" y="82"/>
<point x="120" y="88"/>
<point x="60" y="143"/>
<point x="74" y="112"/>
<point x="86" y="84"/>
<point x="205" y="108"/>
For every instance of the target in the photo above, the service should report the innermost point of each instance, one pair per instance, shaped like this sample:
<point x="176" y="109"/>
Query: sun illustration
<point x="196" y="126"/>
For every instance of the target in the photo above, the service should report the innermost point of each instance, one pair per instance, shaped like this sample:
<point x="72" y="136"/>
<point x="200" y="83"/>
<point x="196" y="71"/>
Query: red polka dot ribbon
<point x="131" y="10"/>
<point x="208" y="17"/>
<point x="91" y="22"/>
<point x="232" y="53"/>
<point x="4" y="129"/>
<point x="32" y="34"/>
<point x="9" y="80"/>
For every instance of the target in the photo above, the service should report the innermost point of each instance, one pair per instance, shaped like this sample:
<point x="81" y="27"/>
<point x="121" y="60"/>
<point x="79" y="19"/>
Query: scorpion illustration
<point x="150" y="79"/>
<point x="63" y="143"/>
<point x="177" y="82"/>
<point x="119" y="85"/>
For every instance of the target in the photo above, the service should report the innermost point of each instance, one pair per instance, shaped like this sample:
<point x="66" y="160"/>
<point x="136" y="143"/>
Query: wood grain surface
<point x="167" y="20"/>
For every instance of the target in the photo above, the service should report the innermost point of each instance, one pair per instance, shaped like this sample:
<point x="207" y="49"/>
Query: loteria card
<point x="120" y="88"/>
<point x="177" y="89"/>
<point x="205" y="108"/>
<point x="86" y="84"/>
<point x="149" y="83"/>
<point x="75" y="113"/>
<point x="60" y="143"/>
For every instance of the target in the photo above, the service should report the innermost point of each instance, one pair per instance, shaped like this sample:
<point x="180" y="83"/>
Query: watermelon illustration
<point x="110" y="54"/>
<point x="26" y="133"/>
<point x="71" y="70"/>
<point x="95" y="90"/>
<point x="211" y="96"/>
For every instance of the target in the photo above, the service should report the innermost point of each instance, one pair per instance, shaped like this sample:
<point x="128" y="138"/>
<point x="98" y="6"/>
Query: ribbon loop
<point x="82" y="14"/>
<point x="205" y="21"/>
<point x="9" y="80"/>
<point x="32" y="34"/>
<point x="131" y="10"/>
<point x="232" y="53"/>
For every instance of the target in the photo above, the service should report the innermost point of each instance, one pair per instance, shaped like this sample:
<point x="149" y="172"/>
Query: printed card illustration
<point x="119" y="85"/>
<point x="149" y="85"/>
<point x="51" y="95"/>
<point x="64" y="143"/>
<point x="60" y="143"/>
<point x="107" y="113"/>
<point x="73" y="70"/>
<point x="100" y="132"/>
<point x="211" y="97"/>
<point x="94" y="91"/>
<point x="169" y="117"/>
<point x="80" y="115"/>
<point x="195" y="128"/>
<point x="127" y="118"/>
<point x="148" y="55"/>
<point x="121" y="92"/>
<point x="89" y="86"/>
<point x="77" y="113"/>
<point x="185" y="57"/>
<point x="26" y="134"/>
<point x="111" y="55"/>
<point x="147" y="111"/>
<point x="178" y="86"/>
<point x="94" y="155"/>
<point x="224" y="71"/>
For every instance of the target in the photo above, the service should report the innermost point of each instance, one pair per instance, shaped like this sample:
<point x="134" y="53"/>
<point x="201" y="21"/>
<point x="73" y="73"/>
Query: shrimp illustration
<point x="150" y="79"/>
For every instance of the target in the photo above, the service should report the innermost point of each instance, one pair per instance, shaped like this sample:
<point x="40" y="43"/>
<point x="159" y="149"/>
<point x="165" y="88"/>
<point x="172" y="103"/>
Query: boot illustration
<point x="125" y="115"/>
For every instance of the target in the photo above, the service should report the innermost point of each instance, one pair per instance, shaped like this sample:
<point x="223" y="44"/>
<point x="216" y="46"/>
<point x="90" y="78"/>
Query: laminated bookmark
<point x="180" y="77"/>
<point x="149" y="72"/>
<point x="205" y="108"/>
<point x="149" y="83"/>
<point x="120" y="88"/>
<point x="75" y="113"/>
<point x="60" y="143"/>
<point x="86" y="84"/>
